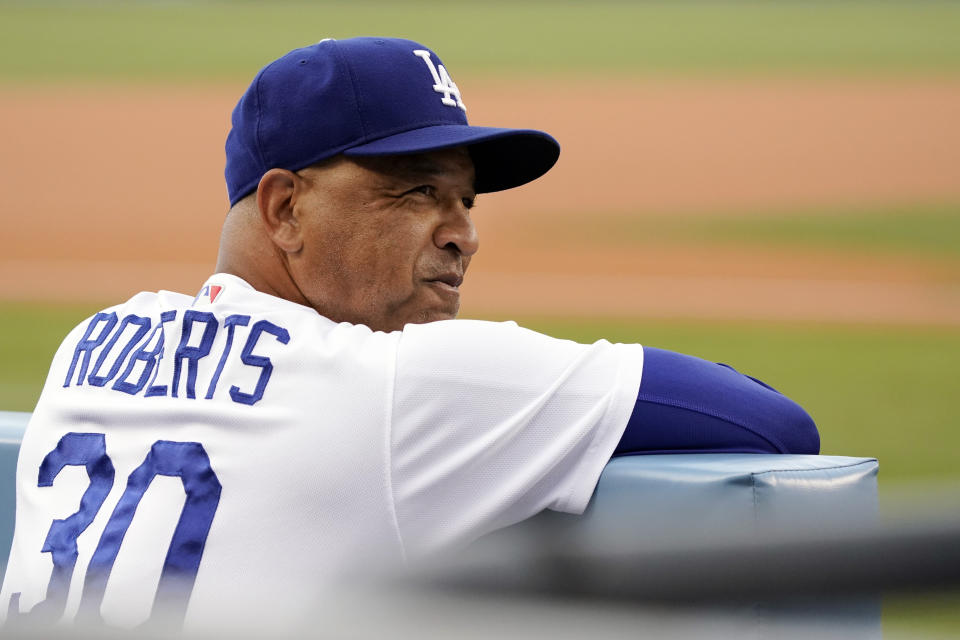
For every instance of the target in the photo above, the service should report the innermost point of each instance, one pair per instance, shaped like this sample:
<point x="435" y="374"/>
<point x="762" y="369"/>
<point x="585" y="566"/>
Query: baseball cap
<point x="368" y="97"/>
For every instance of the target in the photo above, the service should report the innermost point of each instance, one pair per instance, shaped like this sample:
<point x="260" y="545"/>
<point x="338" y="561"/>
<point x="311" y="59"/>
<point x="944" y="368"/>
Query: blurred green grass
<point x="29" y="336"/>
<point x="929" y="231"/>
<point x="226" y="40"/>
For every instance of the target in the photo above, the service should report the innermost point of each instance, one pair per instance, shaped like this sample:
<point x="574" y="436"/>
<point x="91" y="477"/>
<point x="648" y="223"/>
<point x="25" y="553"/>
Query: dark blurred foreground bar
<point x="806" y="565"/>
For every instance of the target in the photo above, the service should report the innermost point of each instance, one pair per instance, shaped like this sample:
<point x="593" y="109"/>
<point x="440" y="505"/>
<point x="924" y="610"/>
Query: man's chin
<point x="437" y="315"/>
<point x="423" y="316"/>
<point x="443" y="303"/>
<point x="434" y="314"/>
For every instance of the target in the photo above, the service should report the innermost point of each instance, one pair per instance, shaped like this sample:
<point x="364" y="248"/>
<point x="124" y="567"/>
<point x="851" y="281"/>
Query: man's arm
<point x="689" y="405"/>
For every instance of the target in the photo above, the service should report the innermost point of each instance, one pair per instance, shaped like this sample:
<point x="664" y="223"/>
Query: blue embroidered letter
<point x="282" y="336"/>
<point x="86" y="345"/>
<point x="192" y="354"/>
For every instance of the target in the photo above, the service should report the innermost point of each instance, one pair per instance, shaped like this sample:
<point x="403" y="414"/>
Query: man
<point x="315" y="410"/>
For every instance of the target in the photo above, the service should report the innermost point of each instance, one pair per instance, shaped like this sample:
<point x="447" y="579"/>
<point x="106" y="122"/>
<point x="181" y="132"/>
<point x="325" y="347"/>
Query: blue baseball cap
<point x="368" y="97"/>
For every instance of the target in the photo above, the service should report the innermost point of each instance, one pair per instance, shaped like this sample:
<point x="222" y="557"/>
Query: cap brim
<point x="502" y="158"/>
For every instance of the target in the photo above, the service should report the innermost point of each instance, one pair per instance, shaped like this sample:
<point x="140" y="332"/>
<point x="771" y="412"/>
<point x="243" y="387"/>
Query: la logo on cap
<point x="442" y="82"/>
<point x="208" y="293"/>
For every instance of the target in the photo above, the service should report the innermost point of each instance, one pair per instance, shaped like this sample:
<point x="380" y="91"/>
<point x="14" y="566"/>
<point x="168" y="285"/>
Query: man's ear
<point x="275" y="198"/>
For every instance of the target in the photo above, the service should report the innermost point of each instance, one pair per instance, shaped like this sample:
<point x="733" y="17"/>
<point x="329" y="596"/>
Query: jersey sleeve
<point x="493" y="423"/>
<point x="690" y="405"/>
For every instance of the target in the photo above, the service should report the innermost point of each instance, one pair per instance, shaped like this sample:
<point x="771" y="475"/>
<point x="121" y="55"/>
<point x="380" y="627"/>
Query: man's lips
<point x="452" y="280"/>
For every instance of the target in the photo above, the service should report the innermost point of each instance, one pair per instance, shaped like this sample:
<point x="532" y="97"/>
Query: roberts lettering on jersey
<point x="120" y="344"/>
<point x="234" y="456"/>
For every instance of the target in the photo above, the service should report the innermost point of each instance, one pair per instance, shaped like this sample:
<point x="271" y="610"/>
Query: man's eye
<point x="425" y="189"/>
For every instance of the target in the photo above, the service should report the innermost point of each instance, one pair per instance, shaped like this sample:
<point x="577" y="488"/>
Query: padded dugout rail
<point x="665" y="495"/>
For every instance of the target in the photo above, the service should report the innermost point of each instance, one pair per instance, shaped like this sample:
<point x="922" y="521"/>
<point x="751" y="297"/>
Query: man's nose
<point x="458" y="231"/>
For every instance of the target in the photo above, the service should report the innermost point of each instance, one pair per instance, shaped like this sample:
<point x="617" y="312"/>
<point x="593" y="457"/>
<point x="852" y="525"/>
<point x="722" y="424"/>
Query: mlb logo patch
<point x="208" y="293"/>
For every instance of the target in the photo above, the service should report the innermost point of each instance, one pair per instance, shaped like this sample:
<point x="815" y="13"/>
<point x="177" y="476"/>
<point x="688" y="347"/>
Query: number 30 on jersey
<point x="186" y="460"/>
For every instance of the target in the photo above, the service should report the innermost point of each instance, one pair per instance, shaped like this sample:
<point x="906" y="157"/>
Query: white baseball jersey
<point x="234" y="455"/>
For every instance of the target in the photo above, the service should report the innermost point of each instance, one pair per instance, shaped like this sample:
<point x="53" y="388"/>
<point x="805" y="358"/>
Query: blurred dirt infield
<point x="108" y="191"/>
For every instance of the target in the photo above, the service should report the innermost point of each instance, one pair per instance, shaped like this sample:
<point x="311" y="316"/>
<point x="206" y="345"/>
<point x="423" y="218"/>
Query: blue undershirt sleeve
<point x="689" y="405"/>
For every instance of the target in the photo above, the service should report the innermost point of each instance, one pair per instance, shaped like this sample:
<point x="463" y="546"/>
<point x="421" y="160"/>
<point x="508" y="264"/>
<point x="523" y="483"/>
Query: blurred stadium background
<point x="772" y="185"/>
